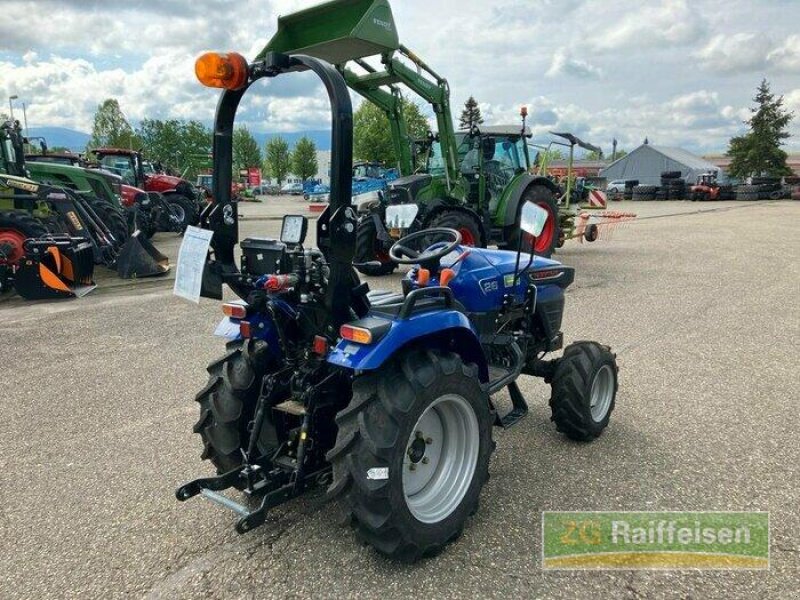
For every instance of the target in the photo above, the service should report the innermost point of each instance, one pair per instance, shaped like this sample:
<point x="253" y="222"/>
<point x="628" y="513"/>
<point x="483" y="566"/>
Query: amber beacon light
<point x="228" y="71"/>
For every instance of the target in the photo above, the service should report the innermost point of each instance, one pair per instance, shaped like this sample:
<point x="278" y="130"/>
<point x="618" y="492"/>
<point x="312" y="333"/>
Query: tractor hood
<point x="160" y="182"/>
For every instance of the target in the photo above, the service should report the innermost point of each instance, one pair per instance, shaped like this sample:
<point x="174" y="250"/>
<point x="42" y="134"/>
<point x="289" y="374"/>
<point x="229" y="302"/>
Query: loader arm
<point x="343" y="31"/>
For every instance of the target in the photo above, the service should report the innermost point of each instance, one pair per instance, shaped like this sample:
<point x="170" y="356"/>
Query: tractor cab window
<point x="119" y="165"/>
<point x="435" y="160"/>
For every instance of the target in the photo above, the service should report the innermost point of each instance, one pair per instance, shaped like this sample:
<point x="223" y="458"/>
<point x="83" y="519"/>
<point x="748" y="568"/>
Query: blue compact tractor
<point x="388" y="399"/>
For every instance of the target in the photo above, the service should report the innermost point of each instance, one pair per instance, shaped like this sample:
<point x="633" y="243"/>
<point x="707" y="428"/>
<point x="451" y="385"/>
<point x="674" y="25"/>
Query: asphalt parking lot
<point x="699" y="301"/>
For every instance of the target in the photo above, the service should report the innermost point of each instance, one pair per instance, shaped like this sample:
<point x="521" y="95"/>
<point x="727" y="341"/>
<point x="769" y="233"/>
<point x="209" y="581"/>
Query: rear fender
<point x="515" y="196"/>
<point x="446" y="330"/>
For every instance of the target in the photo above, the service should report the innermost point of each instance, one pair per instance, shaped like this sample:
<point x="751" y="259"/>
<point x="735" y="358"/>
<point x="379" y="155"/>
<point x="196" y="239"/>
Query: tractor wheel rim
<point x="15" y="239"/>
<point x="178" y="212"/>
<point x="545" y="239"/>
<point x="602" y="393"/>
<point x="467" y="238"/>
<point x="440" y="458"/>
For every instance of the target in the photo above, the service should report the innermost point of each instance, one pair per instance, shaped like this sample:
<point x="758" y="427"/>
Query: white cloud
<point x="666" y="23"/>
<point x="564" y="64"/>
<point x="733" y="53"/>
<point x="786" y="57"/>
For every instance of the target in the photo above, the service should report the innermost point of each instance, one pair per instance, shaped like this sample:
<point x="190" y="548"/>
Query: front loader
<point x="386" y="399"/>
<point x="483" y="205"/>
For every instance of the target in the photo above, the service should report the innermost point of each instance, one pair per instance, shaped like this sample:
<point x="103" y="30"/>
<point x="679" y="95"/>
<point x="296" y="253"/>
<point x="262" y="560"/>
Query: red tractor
<point x="178" y="193"/>
<point x="707" y="188"/>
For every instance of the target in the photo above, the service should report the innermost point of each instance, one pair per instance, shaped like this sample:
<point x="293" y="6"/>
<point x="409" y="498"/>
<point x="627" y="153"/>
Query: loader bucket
<point x="337" y="31"/>
<point x="55" y="269"/>
<point x="139" y="258"/>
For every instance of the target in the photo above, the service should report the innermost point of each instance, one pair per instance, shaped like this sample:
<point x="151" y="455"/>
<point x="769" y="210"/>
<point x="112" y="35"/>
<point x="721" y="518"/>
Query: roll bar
<point x="336" y="225"/>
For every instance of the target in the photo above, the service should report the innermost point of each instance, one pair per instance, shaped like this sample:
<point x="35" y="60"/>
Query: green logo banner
<point x="655" y="540"/>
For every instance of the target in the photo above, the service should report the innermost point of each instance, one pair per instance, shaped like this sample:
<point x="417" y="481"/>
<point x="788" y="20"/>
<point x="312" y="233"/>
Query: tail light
<point x="228" y="71"/>
<point x="234" y="311"/>
<point x="359" y="335"/>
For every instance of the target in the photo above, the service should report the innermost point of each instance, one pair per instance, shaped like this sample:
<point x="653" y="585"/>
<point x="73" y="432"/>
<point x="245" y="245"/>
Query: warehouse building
<point x="647" y="162"/>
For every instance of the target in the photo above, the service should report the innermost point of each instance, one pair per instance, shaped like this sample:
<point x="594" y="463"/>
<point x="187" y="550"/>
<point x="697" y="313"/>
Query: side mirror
<point x="533" y="219"/>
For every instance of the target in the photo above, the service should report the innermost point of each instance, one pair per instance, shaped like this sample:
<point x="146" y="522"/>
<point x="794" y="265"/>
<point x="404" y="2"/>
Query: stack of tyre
<point x="727" y="192"/>
<point x="792" y="187"/>
<point x="761" y="188"/>
<point x="673" y="186"/>
<point x="629" y="187"/>
<point x="645" y="192"/>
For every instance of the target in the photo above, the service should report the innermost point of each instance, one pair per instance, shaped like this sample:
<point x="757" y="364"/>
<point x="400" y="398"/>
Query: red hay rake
<point x="593" y="226"/>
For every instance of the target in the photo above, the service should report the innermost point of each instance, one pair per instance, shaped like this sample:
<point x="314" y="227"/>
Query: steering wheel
<point x="403" y="255"/>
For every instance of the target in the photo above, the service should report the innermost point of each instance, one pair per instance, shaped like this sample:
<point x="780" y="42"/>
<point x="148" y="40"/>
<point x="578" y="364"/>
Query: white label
<point x="191" y="260"/>
<point x="378" y="473"/>
<point x="227" y="329"/>
<point x="401" y="216"/>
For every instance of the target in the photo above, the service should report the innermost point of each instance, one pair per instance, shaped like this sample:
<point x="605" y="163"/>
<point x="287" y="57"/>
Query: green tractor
<point x="475" y="182"/>
<point x="100" y="191"/>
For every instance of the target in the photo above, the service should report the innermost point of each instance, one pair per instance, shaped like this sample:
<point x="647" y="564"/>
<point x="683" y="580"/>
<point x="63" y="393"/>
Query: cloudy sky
<point x="681" y="72"/>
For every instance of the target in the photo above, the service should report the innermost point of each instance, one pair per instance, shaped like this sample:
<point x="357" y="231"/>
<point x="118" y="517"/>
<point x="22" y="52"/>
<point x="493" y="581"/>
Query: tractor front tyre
<point x="412" y="453"/>
<point x="15" y="228"/>
<point x="113" y="218"/>
<point x="584" y="390"/>
<point x="548" y="240"/>
<point x="464" y="223"/>
<point x="184" y="209"/>
<point x="371" y="258"/>
<point x="228" y="402"/>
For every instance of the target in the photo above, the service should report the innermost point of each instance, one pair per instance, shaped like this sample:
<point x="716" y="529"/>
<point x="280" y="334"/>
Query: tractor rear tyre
<point x="15" y="228"/>
<point x="548" y="240"/>
<point x="412" y="453"/>
<point x="584" y="389"/>
<point x="227" y="405"/>
<point x="369" y="249"/>
<point x="467" y="225"/>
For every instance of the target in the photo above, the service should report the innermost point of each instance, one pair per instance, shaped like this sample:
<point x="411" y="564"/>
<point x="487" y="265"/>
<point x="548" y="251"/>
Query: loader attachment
<point x="337" y="31"/>
<point x="56" y="267"/>
<point x="139" y="258"/>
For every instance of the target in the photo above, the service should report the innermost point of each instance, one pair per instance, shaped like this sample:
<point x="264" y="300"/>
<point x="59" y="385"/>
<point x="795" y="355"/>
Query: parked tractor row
<point x="60" y="216"/>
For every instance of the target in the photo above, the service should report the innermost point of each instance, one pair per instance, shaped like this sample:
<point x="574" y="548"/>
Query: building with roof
<point x="723" y="162"/>
<point x="647" y="162"/>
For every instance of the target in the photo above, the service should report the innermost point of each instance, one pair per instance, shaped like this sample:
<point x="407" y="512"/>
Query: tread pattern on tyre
<point x="366" y="235"/>
<point x="227" y="403"/>
<point x="369" y="433"/>
<point x="112" y="217"/>
<point x="457" y="219"/>
<point x="571" y="383"/>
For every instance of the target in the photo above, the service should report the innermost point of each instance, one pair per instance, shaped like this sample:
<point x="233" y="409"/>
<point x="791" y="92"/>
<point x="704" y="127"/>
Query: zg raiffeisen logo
<point x="655" y="540"/>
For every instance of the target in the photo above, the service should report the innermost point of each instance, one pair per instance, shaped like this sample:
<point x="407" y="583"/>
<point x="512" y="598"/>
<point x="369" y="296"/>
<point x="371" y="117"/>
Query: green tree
<point x="278" y="160"/>
<point x="759" y="150"/>
<point x="372" y="138"/>
<point x="304" y="158"/>
<point x="185" y="145"/>
<point x="246" y="152"/>
<point x="471" y="115"/>
<point x="111" y="128"/>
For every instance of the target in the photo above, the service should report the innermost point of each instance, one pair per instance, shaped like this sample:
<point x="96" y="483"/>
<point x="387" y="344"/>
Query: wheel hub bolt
<point x="429" y="441"/>
<point x="412" y="467"/>
<point x="425" y="460"/>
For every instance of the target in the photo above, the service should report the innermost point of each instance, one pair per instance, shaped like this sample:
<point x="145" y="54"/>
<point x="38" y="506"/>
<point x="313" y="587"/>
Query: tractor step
<point x="292" y="407"/>
<point x="519" y="410"/>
